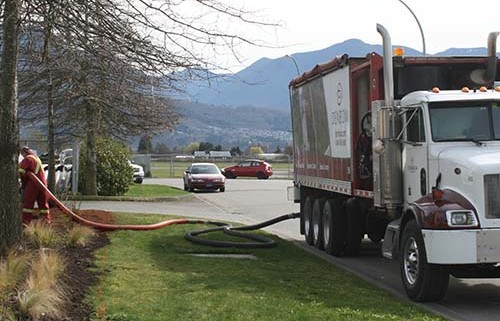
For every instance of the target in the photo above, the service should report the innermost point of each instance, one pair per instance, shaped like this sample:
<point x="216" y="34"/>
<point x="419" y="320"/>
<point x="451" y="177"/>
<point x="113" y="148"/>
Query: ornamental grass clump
<point x="79" y="235"/>
<point x="42" y="294"/>
<point x="41" y="235"/>
<point x="12" y="270"/>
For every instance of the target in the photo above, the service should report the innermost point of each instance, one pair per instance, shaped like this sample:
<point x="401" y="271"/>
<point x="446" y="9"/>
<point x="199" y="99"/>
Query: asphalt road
<point x="250" y="201"/>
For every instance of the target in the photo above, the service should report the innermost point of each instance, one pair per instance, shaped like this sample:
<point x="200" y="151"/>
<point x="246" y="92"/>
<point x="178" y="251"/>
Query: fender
<point x="431" y="213"/>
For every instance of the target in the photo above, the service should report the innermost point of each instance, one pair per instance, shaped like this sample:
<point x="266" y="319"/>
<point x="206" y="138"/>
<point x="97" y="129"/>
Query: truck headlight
<point x="459" y="218"/>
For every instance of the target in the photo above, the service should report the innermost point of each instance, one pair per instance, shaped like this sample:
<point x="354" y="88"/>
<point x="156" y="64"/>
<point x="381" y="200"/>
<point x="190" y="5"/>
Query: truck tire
<point x="422" y="281"/>
<point x="334" y="227"/>
<point x="317" y="223"/>
<point x="376" y="229"/>
<point x="355" y="227"/>
<point x="307" y="218"/>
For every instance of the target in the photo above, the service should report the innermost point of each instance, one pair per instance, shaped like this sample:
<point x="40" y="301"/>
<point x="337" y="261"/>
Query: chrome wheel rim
<point x="307" y="224"/>
<point x="326" y="228"/>
<point x="411" y="261"/>
<point x="316" y="227"/>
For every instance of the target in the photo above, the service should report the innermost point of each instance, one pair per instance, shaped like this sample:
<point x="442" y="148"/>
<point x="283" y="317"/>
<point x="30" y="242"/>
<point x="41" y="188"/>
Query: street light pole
<point x="418" y="23"/>
<point x="295" y="64"/>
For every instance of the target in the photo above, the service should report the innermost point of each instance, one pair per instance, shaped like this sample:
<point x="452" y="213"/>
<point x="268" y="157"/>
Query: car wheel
<point x="222" y="189"/>
<point x="261" y="175"/>
<point x="230" y="175"/>
<point x="138" y="181"/>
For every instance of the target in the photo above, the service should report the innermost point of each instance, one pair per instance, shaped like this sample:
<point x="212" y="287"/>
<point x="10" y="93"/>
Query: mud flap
<point x="390" y="246"/>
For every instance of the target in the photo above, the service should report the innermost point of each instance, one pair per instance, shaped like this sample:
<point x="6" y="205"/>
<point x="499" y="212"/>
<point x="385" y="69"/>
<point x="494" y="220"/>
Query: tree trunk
<point x="90" y="157"/>
<point x="50" y="99"/>
<point x="10" y="227"/>
<point x="50" y="135"/>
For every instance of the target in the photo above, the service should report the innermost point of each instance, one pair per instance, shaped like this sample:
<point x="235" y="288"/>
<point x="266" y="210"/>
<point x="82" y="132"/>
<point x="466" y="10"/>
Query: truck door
<point x="415" y="156"/>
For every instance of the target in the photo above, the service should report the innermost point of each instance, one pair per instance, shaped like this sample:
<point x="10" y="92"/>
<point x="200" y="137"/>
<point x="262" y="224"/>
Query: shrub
<point x="114" y="173"/>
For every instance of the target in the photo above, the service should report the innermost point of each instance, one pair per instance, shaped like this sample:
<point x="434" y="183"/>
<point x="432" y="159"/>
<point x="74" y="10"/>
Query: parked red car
<point x="249" y="168"/>
<point x="204" y="176"/>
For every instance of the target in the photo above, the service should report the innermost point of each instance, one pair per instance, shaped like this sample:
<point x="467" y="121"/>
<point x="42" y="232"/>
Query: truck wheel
<point x="307" y="217"/>
<point x="334" y="227"/>
<point x="422" y="281"/>
<point x="317" y="223"/>
<point x="376" y="230"/>
<point x="355" y="228"/>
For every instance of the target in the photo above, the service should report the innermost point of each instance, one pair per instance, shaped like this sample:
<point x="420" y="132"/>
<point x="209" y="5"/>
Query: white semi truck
<point x="405" y="151"/>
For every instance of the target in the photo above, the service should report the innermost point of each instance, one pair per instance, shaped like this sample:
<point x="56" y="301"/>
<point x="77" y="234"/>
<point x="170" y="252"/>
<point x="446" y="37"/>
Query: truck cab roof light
<point x="497" y="88"/>
<point x="483" y="89"/>
<point x="399" y="52"/>
<point x="435" y="90"/>
<point x="465" y="89"/>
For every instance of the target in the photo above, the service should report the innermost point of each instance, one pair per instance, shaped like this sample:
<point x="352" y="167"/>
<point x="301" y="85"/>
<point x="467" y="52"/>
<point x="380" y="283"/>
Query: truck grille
<point x="492" y="195"/>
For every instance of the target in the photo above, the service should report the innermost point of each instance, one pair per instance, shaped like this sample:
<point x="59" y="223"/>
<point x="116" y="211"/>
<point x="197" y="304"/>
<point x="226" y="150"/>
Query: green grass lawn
<point x="153" y="276"/>
<point x="144" y="190"/>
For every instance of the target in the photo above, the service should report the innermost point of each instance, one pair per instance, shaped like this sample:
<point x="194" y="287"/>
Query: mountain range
<point x="265" y="82"/>
<point x="252" y="105"/>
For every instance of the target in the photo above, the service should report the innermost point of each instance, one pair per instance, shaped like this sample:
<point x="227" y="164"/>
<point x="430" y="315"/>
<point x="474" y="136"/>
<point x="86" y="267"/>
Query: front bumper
<point x="462" y="246"/>
<point x="207" y="186"/>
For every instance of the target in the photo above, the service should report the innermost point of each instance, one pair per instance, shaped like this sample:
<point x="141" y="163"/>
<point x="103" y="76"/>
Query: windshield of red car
<point x="204" y="169"/>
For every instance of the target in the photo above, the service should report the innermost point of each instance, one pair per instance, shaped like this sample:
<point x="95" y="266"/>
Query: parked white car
<point x="62" y="176"/>
<point x="138" y="172"/>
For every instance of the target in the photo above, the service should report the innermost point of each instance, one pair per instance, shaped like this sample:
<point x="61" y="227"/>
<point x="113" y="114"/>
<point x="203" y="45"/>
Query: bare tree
<point x="137" y="44"/>
<point x="122" y="48"/>
<point x="9" y="141"/>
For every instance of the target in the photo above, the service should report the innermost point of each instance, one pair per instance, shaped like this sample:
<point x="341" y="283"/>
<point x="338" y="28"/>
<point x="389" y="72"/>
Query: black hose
<point x="259" y="241"/>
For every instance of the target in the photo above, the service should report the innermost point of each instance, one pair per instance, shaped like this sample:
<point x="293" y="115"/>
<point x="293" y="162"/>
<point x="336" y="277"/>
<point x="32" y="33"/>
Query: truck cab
<point x="450" y="164"/>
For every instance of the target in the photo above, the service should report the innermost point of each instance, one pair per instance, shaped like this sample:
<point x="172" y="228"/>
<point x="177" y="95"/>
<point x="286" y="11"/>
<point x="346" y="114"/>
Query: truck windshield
<point x="465" y="121"/>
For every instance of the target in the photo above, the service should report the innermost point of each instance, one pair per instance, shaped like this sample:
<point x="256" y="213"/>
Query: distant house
<point x="212" y="154"/>
<point x="200" y="154"/>
<point x="220" y="154"/>
<point x="272" y="156"/>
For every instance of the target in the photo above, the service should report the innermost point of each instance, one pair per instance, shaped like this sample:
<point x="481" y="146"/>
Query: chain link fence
<point x="173" y="165"/>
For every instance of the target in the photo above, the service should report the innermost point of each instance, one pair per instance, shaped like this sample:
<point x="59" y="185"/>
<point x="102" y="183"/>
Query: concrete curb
<point x="130" y="199"/>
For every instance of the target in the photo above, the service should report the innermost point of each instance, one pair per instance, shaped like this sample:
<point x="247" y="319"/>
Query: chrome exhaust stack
<point x="387" y="163"/>
<point x="488" y="75"/>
